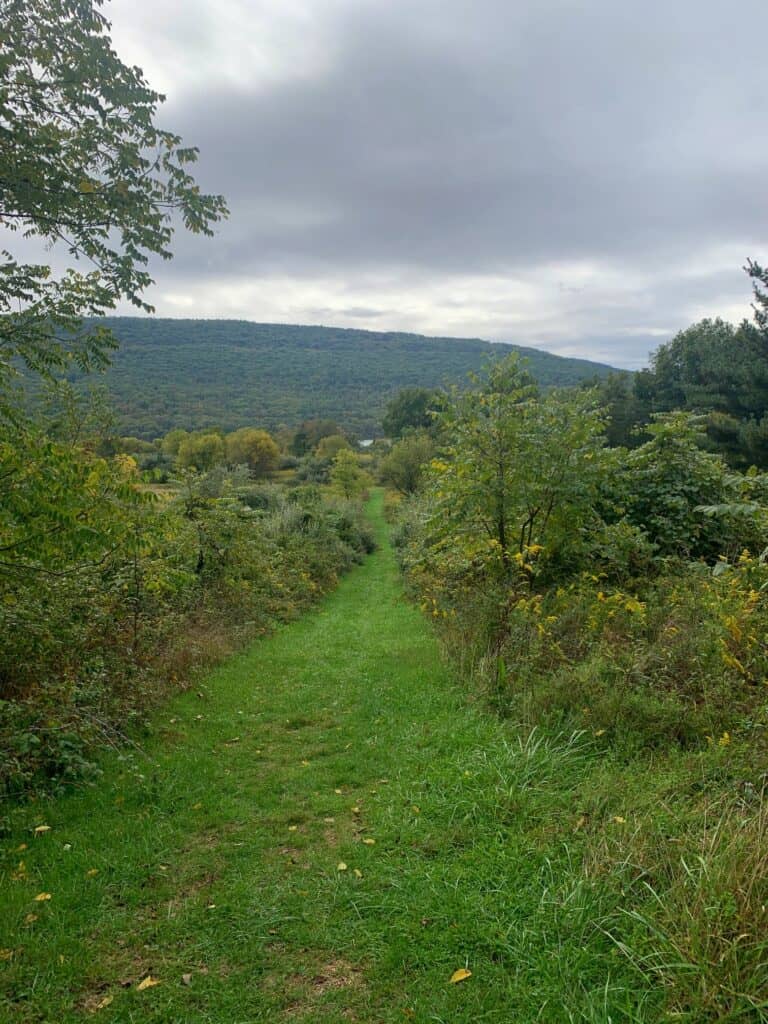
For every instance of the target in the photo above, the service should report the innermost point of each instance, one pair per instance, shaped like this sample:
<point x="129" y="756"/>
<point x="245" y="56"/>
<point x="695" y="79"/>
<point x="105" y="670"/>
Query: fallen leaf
<point x="42" y="897"/>
<point x="369" y="842"/>
<point x="67" y="847"/>
<point x="196" y="807"/>
<point x="6" y="954"/>
<point x="619" y="820"/>
<point x="293" y="828"/>
<point x="148" y="982"/>
<point x="338" y="791"/>
<point x="305" y="764"/>
<point x="599" y="732"/>
<point x="21" y="848"/>
<point x="186" y="979"/>
<point x="91" y="873"/>
<point x="357" y="872"/>
<point x="211" y="906"/>
<point x="329" y="821"/>
<point x="355" y="810"/>
<point x="104" y="1003"/>
<point x="461" y="975"/>
<point x="30" y="919"/>
<point x="341" y="866"/>
<point x="42" y="828"/>
<point x="416" y="809"/>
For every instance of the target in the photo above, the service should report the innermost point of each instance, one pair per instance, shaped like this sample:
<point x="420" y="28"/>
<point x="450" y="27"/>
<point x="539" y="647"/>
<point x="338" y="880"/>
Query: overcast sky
<point x="585" y="176"/>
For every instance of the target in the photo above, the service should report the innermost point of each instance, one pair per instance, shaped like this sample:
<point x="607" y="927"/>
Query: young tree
<point x="330" y="446"/>
<point x="759" y="276"/>
<point x="82" y="164"/>
<point x="410" y="409"/>
<point x="253" y="448"/>
<point x="517" y="464"/>
<point x="403" y="467"/>
<point x="201" y="451"/>
<point x="346" y="475"/>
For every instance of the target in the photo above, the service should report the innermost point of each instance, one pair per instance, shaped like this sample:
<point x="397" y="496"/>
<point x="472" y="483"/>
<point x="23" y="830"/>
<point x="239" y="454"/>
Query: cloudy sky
<point x="585" y="176"/>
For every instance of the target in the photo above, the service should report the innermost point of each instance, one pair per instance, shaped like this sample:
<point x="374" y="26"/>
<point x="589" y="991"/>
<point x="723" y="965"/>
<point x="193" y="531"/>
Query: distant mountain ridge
<point x="228" y="373"/>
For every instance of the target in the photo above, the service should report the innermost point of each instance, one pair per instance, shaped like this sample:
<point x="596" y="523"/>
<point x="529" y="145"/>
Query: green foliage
<point x="410" y="409"/>
<point x="518" y="469"/>
<point x="404" y="466"/>
<point x="624" y="572"/>
<point x="102" y="585"/>
<point x="331" y="445"/>
<point x="759" y="278"/>
<point x="201" y="451"/>
<point x="717" y="369"/>
<point x="203" y="374"/>
<point x="82" y="164"/>
<point x="252" y="448"/>
<point x="347" y="477"/>
<point x="663" y="486"/>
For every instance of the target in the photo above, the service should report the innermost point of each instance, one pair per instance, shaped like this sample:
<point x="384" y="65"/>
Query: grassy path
<point x="325" y="833"/>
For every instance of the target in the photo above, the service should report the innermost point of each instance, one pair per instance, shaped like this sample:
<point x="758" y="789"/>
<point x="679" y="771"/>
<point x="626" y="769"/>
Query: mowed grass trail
<point x="327" y="831"/>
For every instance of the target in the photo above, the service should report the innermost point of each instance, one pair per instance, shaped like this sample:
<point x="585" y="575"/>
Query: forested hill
<point x="229" y="373"/>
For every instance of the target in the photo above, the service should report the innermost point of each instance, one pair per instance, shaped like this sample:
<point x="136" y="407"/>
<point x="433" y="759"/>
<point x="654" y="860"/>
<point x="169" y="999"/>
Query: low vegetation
<point x="621" y="594"/>
<point x="112" y="594"/>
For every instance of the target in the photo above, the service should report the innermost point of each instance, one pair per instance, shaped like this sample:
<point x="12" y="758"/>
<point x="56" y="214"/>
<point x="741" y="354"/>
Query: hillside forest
<point x="588" y="549"/>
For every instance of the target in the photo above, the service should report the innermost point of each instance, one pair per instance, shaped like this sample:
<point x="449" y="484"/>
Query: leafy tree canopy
<point x="253" y="448"/>
<point x="410" y="409"/>
<point x="82" y="164"/>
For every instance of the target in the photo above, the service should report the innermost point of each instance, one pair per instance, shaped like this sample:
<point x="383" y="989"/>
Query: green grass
<point x="341" y="739"/>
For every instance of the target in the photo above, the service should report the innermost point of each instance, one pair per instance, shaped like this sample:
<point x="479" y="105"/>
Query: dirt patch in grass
<point x="305" y="991"/>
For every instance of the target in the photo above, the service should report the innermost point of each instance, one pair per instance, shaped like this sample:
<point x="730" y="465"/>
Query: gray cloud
<point x="583" y="176"/>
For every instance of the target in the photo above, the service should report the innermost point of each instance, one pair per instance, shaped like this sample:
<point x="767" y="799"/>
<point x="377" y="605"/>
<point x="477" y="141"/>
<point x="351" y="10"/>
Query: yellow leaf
<point x="341" y="866"/>
<point x="461" y="975"/>
<point x="91" y="873"/>
<point x="196" y="807"/>
<point x="305" y="764"/>
<point x="600" y="732"/>
<point x="30" y="919"/>
<point x="293" y="828"/>
<point x="42" y="828"/>
<point x="104" y="1003"/>
<point x="416" y="810"/>
<point x="355" y="810"/>
<point x="369" y="842"/>
<point x="21" y="848"/>
<point x="6" y="954"/>
<point x="337" y="791"/>
<point x="42" y="897"/>
<point x="357" y="872"/>
<point x="148" y="982"/>
<point x="619" y="820"/>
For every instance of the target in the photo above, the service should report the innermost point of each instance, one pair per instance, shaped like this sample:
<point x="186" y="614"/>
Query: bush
<point x="129" y="584"/>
